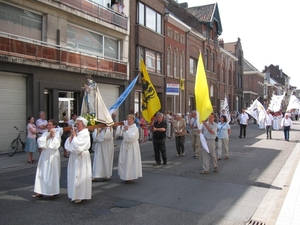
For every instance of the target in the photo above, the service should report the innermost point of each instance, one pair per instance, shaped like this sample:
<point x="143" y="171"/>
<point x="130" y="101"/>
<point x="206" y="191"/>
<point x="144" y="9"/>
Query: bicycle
<point x="15" y="143"/>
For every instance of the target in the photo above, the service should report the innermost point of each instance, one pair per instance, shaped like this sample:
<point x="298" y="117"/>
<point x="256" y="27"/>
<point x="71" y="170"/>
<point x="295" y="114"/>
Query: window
<point x="149" y="18"/>
<point x="137" y="101"/>
<point x="158" y="23"/>
<point x="266" y="90"/>
<point x="223" y="73"/>
<point x="175" y="64"/>
<point x="181" y="65"/>
<point x="168" y="62"/>
<point x="158" y="63"/>
<point x="169" y="32"/>
<point x="193" y="66"/>
<point x="212" y="98"/>
<point x="152" y="59"/>
<point x="20" y="22"/>
<point x="100" y="2"/>
<point x="192" y="103"/>
<point x="182" y="39"/>
<point x="230" y="75"/>
<point x="206" y="59"/>
<point x="141" y="14"/>
<point x="176" y="36"/>
<point x="83" y="40"/>
<point x="213" y="61"/>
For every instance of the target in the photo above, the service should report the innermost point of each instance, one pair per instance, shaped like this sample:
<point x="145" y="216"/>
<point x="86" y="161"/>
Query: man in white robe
<point x="79" y="165"/>
<point x="103" y="153"/>
<point x="130" y="164"/>
<point x="48" y="168"/>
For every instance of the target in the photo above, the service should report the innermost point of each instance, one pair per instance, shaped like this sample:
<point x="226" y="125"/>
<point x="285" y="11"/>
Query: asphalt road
<point x="168" y="194"/>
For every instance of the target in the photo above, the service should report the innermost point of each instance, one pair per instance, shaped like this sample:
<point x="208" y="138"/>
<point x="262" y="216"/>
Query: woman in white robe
<point x="79" y="165"/>
<point x="130" y="164"/>
<point x="103" y="153"/>
<point x="48" y="168"/>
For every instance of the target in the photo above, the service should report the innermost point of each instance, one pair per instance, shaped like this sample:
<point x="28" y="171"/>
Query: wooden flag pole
<point x="95" y="126"/>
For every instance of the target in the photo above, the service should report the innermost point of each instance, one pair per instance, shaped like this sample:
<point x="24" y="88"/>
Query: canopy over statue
<point x="93" y="103"/>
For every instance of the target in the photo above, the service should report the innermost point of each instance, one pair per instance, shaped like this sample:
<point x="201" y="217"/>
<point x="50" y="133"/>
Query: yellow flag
<point x="181" y="84"/>
<point x="203" y="104"/>
<point x="151" y="103"/>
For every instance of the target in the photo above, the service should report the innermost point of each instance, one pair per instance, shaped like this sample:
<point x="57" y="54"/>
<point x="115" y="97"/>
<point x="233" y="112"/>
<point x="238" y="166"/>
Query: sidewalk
<point x="281" y="205"/>
<point x="290" y="211"/>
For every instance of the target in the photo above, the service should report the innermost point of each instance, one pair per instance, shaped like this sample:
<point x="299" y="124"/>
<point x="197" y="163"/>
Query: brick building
<point x="147" y="41"/>
<point x="46" y="50"/>
<point x="236" y="49"/>
<point x="253" y="84"/>
<point x="206" y="27"/>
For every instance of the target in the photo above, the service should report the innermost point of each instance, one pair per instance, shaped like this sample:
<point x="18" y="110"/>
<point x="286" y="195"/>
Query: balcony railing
<point x="41" y="51"/>
<point x="94" y="9"/>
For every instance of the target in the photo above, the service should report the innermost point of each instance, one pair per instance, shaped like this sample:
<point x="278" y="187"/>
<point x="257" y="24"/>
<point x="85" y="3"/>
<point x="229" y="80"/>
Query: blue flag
<point x="123" y="96"/>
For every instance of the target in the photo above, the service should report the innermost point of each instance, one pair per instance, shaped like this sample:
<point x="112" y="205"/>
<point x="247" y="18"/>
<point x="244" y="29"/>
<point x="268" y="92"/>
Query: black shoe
<point x="215" y="169"/>
<point x="240" y="136"/>
<point x="165" y="162"/>
<point x="156" y="164"/>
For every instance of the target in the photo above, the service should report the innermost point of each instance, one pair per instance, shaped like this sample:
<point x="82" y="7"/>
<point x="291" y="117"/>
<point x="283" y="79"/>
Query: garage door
<point x="110" y="94"/>
<point x="12" y="107"/>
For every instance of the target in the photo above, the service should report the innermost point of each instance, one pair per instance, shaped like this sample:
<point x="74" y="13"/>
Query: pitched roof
<point x="207" y="14"/>
<point x="249" y="67"/>
<point x="203" y="13"/>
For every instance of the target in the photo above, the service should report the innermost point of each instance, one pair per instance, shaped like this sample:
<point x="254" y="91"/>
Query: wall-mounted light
<point x="166" y="16"/>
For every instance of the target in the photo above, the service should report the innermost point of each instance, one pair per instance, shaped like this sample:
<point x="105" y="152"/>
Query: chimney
<point x="184" y="5"/>
<point x="221" y="43"/>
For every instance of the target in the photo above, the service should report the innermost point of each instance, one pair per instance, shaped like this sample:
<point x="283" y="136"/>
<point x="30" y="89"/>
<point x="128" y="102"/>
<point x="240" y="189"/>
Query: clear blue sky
<point x="267" y="29"/>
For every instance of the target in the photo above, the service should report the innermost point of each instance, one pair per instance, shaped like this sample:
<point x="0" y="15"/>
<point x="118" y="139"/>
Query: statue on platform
<point x="90" y="94"/>
<point x="93" y="103"/>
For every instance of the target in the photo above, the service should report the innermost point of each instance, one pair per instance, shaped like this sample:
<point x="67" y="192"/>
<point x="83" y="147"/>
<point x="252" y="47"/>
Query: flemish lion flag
<point x="181" y="84"/>
<point x="151" y="103"/>
<point x="203" y="104"/>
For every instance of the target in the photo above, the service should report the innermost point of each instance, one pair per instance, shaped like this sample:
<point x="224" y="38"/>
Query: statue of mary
<point x="93" y="103"/>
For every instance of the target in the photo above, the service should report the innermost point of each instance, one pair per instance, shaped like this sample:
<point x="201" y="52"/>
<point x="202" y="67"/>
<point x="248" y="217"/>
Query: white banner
<point x="226" y="108"/>
<point x="294" y="103"/>
<point x="275" y="104"/>
<point x="257" y="110"/>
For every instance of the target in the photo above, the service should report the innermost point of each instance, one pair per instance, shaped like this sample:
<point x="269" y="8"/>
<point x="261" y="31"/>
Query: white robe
<point x="130" y="164"/>
<point x="48" y="168"/>
<point x="79" y="166"/>
<point x="103" y="153"/>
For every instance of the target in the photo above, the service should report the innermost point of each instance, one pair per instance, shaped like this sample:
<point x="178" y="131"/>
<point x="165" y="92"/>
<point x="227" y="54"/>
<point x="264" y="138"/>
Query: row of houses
<point x="47" y="47"/>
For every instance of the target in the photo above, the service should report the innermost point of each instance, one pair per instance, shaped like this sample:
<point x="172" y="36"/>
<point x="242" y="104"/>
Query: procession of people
<point x="209" y="138"/>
